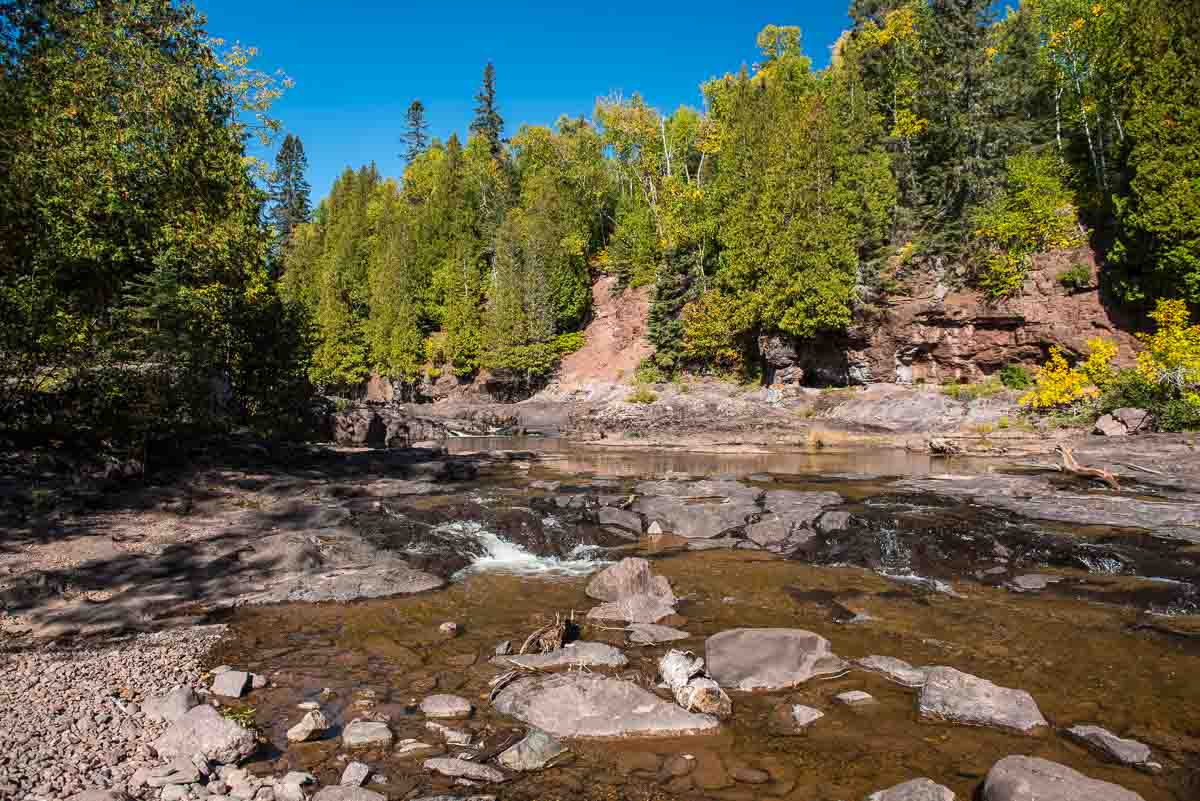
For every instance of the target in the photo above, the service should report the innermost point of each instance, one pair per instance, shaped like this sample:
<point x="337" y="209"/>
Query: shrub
<point x="642" y="394"/>
<point x="1015" y="376"/>
<point x="970" y="392"/>
<point x="648" y="372"/>
<point x="1058" y="385"/>
<point x="1077" y="278"/>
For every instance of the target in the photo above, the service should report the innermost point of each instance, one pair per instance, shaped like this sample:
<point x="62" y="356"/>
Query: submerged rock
<point x="462" y="769"/>
<point x="582" y="705"/>
<point x="652" y="634"/>
<point x="576" y="654"/>
<point x="203" y="731"/>
<point x="854" y="698"/>
<point x="355" y="774"/>
<point x="366" y="734"/>
<point x="1021" y="778"/>
<point x="769" y="659"/>
<point x="310" y="727"/>
<point x="534" y="752"/>
<point x="897" y="670"/>
<point x="915" y="790"/>
<point x="634" y="609"/>
<point x="339" y="793"/>
<point x="1110" y="746"/>
<point x="446" y="707"/>
<point x="698" y="509"/>
<point x="790" y="719"/>
<point x="959" y="697"/>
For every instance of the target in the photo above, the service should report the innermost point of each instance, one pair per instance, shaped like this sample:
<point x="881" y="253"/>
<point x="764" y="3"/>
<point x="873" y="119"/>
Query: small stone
<point x="679" y="765"/>
<point x="915" y="790"/>
<point x="446" y="707"/>
<point x="414" y="749"/>
<point x="1110" y="746"/>
<point x="366" y="734"/>
<point x="451" y="736"/>
<point x="231" y="683"/>
<point x="750" y="776"/>
<point x="311" y="727"/>
<point x="339" y="793"/>
<point x="449" y="628"/>
<point x="462" y="769"/>
<point x="654" y="528"/>
<point x="504" y="648"/>
<point x="174" y="792"/>
<point x="172" y="706"/>
<point x="202" y="730"/>
<point x="652" y="634"/>
<point x="355" y="775"/>
<point x="854" y="698"/>
<point x="791" y="719"/>
<point x="534" y="752"/>
<point x="897" y="670"/>
<point x="258" y="681"/>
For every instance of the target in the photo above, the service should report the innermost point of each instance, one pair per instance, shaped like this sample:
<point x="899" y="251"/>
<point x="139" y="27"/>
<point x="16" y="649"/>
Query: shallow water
<point x="1085" y="649"/>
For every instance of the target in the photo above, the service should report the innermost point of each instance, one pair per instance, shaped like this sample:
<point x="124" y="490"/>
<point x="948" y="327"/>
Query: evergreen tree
<point x="416" y="132"/>
<point x="488" y="123"/>
<point x="289" y="191"/>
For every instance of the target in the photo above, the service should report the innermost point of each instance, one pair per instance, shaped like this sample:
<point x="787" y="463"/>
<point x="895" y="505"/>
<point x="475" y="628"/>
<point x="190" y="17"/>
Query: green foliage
<point x="971" y="392"/>
<point x="642" y="394"/>
<point x="1035" y="213"/>
<point x="289" y="191"/>
<point x="1015" y="376"/>
<point x="1076" y="278"/>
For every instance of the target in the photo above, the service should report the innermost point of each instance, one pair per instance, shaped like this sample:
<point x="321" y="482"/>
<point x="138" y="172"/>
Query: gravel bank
<point x="70" y="716"/>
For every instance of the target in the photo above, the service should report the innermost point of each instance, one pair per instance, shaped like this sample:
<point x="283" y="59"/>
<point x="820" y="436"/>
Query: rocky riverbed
<point x="805" y="626"/>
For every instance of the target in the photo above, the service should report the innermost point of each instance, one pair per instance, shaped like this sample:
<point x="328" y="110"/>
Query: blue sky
<point x="358" y="64"/>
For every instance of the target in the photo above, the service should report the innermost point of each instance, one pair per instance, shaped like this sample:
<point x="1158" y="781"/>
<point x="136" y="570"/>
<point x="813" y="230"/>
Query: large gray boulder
<point x="630" y="576"/>
<point x="915" y="790"/>
<point x="172" y="706"/>
<point x="959" y="697"/>
<point x="203" y="731"/>
<point x="698" y="509"/>
<point x="583" y="705"/>
<point x="576" y="654"/>
<point x="633" y="609"/>
<point x="769" y="659"/>
<point x="1023" y="778"/>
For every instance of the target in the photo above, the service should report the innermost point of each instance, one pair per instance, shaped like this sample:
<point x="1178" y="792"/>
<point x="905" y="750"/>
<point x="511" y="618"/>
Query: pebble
<point x="355" y="775"/>
<point x="854" y="698"/>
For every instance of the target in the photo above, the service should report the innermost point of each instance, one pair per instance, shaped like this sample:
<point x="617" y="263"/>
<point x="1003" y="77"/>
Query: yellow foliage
<point x="1172" y="354"/>
<point x="1059" y="385"/>
<point x="1098" y="365"/>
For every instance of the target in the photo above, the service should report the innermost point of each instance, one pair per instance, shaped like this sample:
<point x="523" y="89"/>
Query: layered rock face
<point x="938" y="335"/>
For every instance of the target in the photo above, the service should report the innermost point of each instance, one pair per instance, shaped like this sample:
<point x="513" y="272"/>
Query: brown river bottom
<point x="1084" y="662"/>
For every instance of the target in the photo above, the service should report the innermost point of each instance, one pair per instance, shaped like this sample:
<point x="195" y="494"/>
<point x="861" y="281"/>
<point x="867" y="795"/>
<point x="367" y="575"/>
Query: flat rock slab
<point x="582" y="705"/>
<point x="462" y="769"/>
<point x="338" y="793"/>
<point x="854" y="698"/>
<point x="915" y="790"/>
<point x="789" y="719"/>
<point x="231" y="683"/>
<point x="769" y="659"/>
<point x="894" y="669"/>
<point x="1023" y="778"/>
<point x="203" y="731"/>
<point x="534" y="752"/>
<point x="576" y="654"/>
<point x="698" y="509"/>
<point x="619" y="518"/>
<point x="651" y="634"/>
<point x="312" y="726"/>
<point x="959" y="697"/>
<point x="446" y="707"/>
<point x="172" y="706"/>
<point x="366" y="734"/>
<point x="633" y="609"/>
<point x="1108" y="745"/>
<point x="631" y="576"/>
<point x="1032" y="582"/>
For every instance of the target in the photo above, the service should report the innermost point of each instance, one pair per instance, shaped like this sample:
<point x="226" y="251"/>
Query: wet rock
<point x="310" y="727"/>
<point x="854" y="698"/>
<point x="581" y="705"/>
<point x="833" y="521"/>
<point x="959" y="697"/>
<point x="698" y="509"/>
<point x="462" y="769"/>
<point x="1021" y="778"/>
<point x="1032" y="582"/>
<point x="692" y="690"/>
<point x="779" y="534"/>
<point x="534" y="752"/>
<point x="631" y="576"/>
<point x="750" y="775"/>
<point x="172" y="706"/>
<point x="203" y="731"/>
<point x="576" y="654"/>
<point x="897" y="670"/>
<point x="791" y="719"/>
<point x="451" y="736"/>
<point x="619" y="518"/>
<point x="634" y="609"/>
<point x="652" y="634"/>
<point x="628" y="762"/>
<point x="231" y="683"/>
<point x="915" y="790"/>
<point x="450" y="628"/>
<point x="366" y="734"/>
<point x="504" y="648"/>
<point x="338" y="793"/>
<point x="414" y="749"/>
<point x="1112" y="747"/>
<point x="769" y="659"/>
<point x="654" y="528"/>
<point x="355" y="774"/>
<point x="446" y="707"/>
<point x="456" y="798"/>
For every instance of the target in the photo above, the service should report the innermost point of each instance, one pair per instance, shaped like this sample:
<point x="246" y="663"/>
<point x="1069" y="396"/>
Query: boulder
<point x="959" y="697"/>
<point x="1134" y="420"/>
<point x="203" y="731"/>
<point x="652" y="634"/>
<point x="698" y="509"/>
<point x="231" y="683"/>
<point x="462" y="769"/>
<point x="339" y="793"/>
<point x="633" y="609"/>
<point x="355" y="774"/>
<point x="1110" y="746"/>
<point x="534" y="752"/>
<point x="366" y="734"/>
<point x="446" y="707"/>
<point x="1022" y="778"/>
<point x="1032" y="582"/>
<point x="897" y="670"/>
<point x="310" y="727"/>
<point x="619" y="518"/>
<point x="693" y="691"/>
<point x="791" y="719"/>
<point x="1109" y="426"/>
<point x="915" y="790"/>
<point x="576" y="654"/>
<point x="769" y="659"/>
<point x="380" y="426"/>
<point x="172" y="706"/>
<point x="589" y="706"/>
<point x="450" y="735"/>
<point x="415" y="749"/>
<point x="631" y="576"/>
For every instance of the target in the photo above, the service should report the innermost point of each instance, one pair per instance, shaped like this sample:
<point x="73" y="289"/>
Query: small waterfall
<point x="493" y="553"/>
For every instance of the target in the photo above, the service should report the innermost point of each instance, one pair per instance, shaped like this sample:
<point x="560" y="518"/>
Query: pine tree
<point x="289" y="191"/>
<point x="416" y="132"/>
<point x="488" y="123"/>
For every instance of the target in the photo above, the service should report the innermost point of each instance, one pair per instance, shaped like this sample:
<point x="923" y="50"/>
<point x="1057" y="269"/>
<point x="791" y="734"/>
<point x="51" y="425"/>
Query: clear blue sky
<point x="357" y="64"/>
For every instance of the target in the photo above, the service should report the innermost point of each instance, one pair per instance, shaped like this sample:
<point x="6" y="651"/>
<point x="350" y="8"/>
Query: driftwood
<point x="548" y="638"/>
<point x="1069" y="465"/>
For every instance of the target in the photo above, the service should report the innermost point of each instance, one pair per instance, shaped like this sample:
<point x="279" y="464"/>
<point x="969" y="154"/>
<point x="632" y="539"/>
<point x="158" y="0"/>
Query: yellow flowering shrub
<point x="1172" y="355"/>
<point x="1098" y="365"/>
<point x="1058" y="385"/>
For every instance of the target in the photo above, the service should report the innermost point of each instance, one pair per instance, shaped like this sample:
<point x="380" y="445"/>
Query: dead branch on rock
<point x="548" y="638"/>
<point x="1069" y="465"/>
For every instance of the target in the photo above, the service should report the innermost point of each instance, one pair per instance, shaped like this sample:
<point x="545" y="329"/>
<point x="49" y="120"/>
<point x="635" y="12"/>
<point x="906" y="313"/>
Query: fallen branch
<point x="1132" y="466"/>
<point x="1073" y="467"/>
